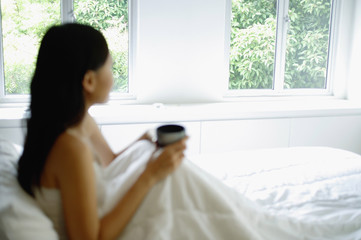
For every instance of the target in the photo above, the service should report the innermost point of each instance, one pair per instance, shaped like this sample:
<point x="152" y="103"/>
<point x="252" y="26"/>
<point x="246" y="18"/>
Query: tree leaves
<point x="253" y="44"/>
<point x="111" y="18"/>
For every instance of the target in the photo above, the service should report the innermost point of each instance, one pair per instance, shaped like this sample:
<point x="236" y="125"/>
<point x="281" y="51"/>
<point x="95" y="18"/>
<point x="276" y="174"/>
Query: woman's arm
<point x="76" y="179"/>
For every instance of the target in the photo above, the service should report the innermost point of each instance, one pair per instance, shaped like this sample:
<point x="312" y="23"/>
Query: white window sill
<point x="115" y="113"/>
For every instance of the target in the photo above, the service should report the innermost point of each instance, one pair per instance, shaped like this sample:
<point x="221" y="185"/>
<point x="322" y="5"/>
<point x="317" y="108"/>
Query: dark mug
<point x="168" y="134"/>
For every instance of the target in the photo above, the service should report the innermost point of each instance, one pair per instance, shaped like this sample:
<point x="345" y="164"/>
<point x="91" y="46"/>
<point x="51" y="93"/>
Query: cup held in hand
<point x="168" y="134"/>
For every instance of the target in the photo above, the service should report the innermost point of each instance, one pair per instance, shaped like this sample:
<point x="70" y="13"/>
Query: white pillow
<point x="20" y="216"/>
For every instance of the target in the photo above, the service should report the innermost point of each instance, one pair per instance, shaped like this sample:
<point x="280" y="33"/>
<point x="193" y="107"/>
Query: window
<point x="192" y="51"/>
<point x="111" y="18"/>
<point x="253" y="42"/>
<point x="280" y="45"/>
<point x="23" y="25"/>
<point x="24" y="22"/>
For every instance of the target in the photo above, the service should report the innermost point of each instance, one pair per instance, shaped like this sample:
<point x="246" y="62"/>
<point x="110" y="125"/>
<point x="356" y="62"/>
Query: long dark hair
<point x="66" y="53"/>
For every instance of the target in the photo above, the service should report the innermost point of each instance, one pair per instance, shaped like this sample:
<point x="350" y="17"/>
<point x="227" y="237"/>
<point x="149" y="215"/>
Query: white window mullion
<point x="283" y="23"/>
<point x="227" y="45"/>
<point x="333" y="32"/>
<point x="2" y="76"/>
<point x="67" y="11"/>
<point x="133" y="18"/>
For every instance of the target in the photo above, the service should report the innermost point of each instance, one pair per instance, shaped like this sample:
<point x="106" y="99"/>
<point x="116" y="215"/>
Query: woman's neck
<point x="82" y="127"/>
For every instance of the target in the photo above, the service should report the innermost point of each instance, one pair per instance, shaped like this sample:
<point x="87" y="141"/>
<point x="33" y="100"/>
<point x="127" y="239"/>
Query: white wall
<point x="181" y="43"/>
<point x="227" y="127"/>
<point x="221" y="136"/>
<point x="354" y="88"/>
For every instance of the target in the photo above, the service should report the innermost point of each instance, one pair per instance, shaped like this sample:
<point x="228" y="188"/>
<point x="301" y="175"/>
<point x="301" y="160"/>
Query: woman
<point x="65" y="157"/>
<point x="73" y="72"/>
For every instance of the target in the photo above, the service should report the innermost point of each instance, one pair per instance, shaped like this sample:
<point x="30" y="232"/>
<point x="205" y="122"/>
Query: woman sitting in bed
<point x="89" y="192"/>
<point x="73" y="72"/>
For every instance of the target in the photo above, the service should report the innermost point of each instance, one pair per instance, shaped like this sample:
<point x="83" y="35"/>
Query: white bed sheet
<point x="296" y="193"/>
<point x="310" y="184"/>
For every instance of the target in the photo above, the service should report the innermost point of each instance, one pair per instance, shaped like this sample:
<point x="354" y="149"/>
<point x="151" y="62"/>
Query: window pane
<point x="253" y="35"/>
<point x="111" y="18"/>
<point x="307" y="44"/>
<point x="24" y="23"/>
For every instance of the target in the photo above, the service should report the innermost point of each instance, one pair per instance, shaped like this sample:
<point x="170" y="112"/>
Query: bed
<point x="307" y="193"/>
<point x="307" y="183"/>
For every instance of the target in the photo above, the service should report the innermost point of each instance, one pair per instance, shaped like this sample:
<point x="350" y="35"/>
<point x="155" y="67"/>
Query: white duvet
<point x="288" y="194"/>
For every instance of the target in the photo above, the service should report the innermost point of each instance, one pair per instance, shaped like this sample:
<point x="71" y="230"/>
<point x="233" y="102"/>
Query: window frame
<point x="67" y="16"/>
<point x="2" y="80"/>
<point x="66" y="13"/>
<point x="280" y="58"/>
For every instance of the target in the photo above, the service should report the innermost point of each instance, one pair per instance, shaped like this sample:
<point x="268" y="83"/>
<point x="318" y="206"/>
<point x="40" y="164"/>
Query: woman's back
<point x="49" y="200"/>
<point x="72" y="159"/>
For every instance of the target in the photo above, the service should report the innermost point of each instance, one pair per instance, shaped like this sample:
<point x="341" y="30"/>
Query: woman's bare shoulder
<point x="70" y="143"/>
<point x="69" y="155"/>
<point x="70" y="149"/>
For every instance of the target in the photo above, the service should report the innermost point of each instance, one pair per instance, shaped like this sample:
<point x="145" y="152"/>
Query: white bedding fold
<point x="192" y="204"/>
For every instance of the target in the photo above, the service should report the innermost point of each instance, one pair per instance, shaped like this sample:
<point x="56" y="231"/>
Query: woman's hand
<point x="170" y="158"/>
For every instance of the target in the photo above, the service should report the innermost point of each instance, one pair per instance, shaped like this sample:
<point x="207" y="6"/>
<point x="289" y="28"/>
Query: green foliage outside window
<point x="253" y="44"/>
<point x="111" y="18"/>
<point x="307" y="44"/>
<point x="24" y="23"/>
<point x="253" y="40"/>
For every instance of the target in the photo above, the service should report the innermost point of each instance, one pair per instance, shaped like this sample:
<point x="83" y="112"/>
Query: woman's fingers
<point x="169" y="160"/>
<point x="180" y="145"/>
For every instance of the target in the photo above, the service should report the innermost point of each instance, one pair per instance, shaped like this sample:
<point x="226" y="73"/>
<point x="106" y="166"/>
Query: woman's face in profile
<point x="104" y="78"/>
